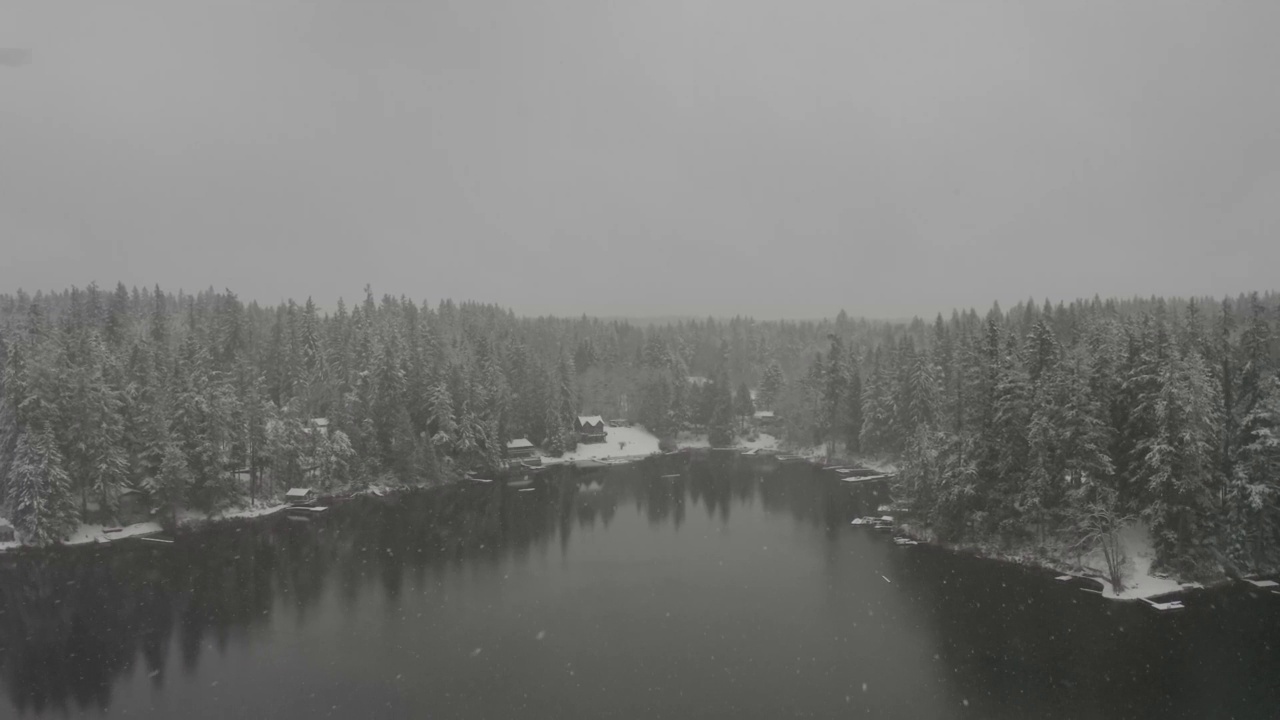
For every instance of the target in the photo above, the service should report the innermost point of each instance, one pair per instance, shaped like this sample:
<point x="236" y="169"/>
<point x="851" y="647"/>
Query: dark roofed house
<point x="590" y="429"/>
<point x="521" y="448"/>
<point x="133" y="506"/>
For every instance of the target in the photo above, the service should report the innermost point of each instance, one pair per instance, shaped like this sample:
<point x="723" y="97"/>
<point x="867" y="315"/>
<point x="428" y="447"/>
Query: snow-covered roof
<point x="762" y="414"/>
<point x="519" y="443"/>
<point x="298" y="492"/>
<point x="590" y="420"/>
<point x="698" y="379"/>
<point x="320" y="422"/>
<point x="5" y="523"/>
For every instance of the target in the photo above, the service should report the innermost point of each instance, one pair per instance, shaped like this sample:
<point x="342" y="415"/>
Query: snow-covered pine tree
<point x="743" y="405"/>
<point x="720" y="394"/>
<point x="1253" y="492"/>
<point x="1178" y="474"/>
<point x="43" y="507"/>
<point x="770" y="386"/>
<point x="174" y="482"/>
<point x="853" y="408"/>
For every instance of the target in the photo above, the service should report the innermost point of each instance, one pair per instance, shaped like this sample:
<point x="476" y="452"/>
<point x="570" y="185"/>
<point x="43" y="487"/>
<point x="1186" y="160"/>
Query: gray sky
<point x="644" y="158"/>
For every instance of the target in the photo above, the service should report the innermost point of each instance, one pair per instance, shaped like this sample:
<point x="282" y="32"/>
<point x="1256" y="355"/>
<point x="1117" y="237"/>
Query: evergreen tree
<point x="174" y="481"/>
<point x="1253" y="494"/>
<point x="720" y="400"/>
<point x="1014" y="426"/>
<point x="1178" y="471"/>
<point x="40" y="490"/>
<point x="853" y="421"/>
<point x="744" y="406"/>
<point x="770" y="386"/>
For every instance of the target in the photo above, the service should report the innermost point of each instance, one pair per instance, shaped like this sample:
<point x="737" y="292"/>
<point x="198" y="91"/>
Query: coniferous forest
<point x="1039" y="425"/>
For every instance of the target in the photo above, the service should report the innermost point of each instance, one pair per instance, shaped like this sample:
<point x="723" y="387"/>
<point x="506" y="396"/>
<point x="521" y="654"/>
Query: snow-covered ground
<point x="636" y="442"/>
<point x="619" y="443"/>
<point x="97" y="533"/>
<point x="762" y="442"/>
<point x="253" y="512"/>
<point x="1137" y="578"/>
<point x="192" y="517"/>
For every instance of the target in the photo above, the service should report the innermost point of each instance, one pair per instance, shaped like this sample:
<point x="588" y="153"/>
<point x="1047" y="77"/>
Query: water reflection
<point x="73" y="622"/>
<point x="954" y="636"/>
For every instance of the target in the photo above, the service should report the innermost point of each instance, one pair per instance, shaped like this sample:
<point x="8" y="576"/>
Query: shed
<point x="133" y="506"/>
<point x="6" y="531"/>
<point x="319" y="425"/>
<point x="300" y="496"/>
<point x="521" y="448"/>
<point x="590" y="429"/>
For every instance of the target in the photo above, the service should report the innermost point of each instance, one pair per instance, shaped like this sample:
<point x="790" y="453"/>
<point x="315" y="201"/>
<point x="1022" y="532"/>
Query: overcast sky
<point x="776" y="158"/>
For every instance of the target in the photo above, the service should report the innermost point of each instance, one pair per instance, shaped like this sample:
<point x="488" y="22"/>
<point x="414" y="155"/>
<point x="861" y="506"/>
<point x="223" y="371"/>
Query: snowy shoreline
<point x="626" y="445"/>
<point x="1139" y="582"/>
<point x="94" y="534"/>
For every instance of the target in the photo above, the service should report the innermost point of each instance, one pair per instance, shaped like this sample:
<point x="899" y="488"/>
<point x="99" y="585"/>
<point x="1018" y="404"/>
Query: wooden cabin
<point x="590" y="429"/>
<point x="521" y="448"/>
<point x="300" y="497"/>
<point x="133" y="506"/>
<point x="764" y="419"/>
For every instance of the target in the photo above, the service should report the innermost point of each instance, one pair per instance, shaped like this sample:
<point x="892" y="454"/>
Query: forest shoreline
<point x="1141" y="586"/>
<point x="96" y="535"/>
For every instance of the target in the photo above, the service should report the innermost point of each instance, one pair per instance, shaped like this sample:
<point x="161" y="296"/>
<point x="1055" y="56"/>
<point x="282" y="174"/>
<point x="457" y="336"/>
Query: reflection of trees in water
<point x="1024" y="646"/>
<point x="73" y="622"/>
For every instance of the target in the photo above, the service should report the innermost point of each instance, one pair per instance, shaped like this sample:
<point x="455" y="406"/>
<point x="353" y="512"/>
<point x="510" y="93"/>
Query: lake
<point x="736" y="590"/>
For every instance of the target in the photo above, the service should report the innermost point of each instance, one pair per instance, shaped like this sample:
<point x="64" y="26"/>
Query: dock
<point x="1163" y="606"/>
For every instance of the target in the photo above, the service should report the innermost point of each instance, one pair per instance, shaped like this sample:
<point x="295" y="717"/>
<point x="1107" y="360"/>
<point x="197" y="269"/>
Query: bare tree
<point x="1097" y="527"/>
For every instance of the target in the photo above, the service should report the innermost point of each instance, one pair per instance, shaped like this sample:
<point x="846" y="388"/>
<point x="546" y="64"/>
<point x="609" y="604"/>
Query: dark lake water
<point x="737" y="590"/>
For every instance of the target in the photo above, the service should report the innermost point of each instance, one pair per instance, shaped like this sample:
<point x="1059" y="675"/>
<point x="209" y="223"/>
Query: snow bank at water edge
<point x="1136" y="572"/>
<point x="98" y="533"/>
<point x="763" y="441"/>
<point x="187" y="518"/>
<point x="1139" y="582"/>
<point x="633" y="443"/>
<point x="260" y="511"/>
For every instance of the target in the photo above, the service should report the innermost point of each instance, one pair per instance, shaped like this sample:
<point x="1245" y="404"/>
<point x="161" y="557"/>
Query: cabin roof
<point x="298" y="492"/>
<point x="590" y="420"/>
<point x="764" y="414"/>
<point x="519" y="443"/>
<point x="320" y="422"/>
<point x="5" y="523"/>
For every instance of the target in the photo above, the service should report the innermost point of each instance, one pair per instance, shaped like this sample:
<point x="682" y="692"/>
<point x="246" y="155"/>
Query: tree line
<point x="1055" y="426"/>
<point x="1015" y="425"/>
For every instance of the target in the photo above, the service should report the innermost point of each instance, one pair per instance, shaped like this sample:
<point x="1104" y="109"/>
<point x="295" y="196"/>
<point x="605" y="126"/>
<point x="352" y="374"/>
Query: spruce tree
<point x="770" y="386"/>
<point x="744" y="406"/>
<point x="43" y="508"/>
